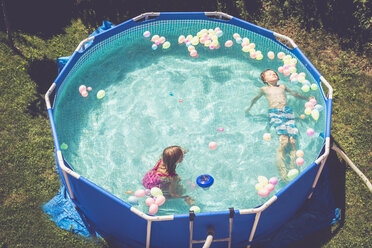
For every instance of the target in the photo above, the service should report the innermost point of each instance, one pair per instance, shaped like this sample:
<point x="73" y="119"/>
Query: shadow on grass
<point x="43" y="72"/>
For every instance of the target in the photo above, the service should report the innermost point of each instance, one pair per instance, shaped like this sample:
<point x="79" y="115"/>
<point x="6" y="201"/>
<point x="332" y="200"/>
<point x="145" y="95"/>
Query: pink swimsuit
<point x="153" y="179"/>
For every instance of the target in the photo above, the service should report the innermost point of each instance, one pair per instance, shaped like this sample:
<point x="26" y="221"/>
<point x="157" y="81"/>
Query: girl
<point x="163" y="175"/>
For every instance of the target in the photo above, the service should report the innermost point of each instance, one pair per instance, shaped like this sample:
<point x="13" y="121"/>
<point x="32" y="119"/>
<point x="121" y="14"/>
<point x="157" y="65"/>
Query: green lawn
<point x="28" y="179"/>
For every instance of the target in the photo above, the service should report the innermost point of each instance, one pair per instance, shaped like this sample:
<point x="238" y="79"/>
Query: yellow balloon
<point x="308" y="111"/>
<point x="259" y="186"/>
<point x="315" y="114"/>
<point x="245" y="49"/>
<point x="263" y="180"/>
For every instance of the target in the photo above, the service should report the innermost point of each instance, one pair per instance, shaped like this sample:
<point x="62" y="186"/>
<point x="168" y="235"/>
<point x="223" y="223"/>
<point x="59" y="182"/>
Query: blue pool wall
<point x="115" y="221"/>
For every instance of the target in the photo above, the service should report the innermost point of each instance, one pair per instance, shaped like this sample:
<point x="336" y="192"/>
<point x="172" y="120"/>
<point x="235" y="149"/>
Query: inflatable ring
<point x="205" y="181"/>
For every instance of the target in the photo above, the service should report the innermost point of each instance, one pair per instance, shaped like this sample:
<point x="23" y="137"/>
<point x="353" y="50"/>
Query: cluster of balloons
<point x="265" y="186"/>
<point x="248" y="47"/>
<point x="313" y="109"/>
<point x="158" y="40"/>
<point x="154" y="198"/>
<point x="300" y="160"/>
<point x="84" y="90"/>
<point x="209" y="38"/>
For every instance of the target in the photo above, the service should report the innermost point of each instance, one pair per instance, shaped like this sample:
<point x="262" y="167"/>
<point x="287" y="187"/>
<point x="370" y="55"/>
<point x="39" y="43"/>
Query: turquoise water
<point x="114" y="141"/>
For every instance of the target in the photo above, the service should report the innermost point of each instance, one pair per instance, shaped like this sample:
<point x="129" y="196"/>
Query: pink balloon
<point x="193" y="53"/>
<point x="82" y="88"/>
<point x="84" y="93"/>
<point x="228" y="43"/>
<point x="220" y="129"/>
<point x="153" y="209"/>
<point x="263" y="193"/>
<point x="309" y="105"/>
<point x="150" y="201"/>
<point x="160" y="200"/>
<point x="252" y="55"/>
<point x="140" y="193"/>
<point x="310" y="131"/>
<point x="300" y="161"/>
<point x="270" y="187"/>
<point x="273" y="181"/>
<point x="212" y="145"/>
<point x="286" y="72"/>
<point x="280" y="69"/>
<point x="313" y="101"/>
<point x="89" y="88"/>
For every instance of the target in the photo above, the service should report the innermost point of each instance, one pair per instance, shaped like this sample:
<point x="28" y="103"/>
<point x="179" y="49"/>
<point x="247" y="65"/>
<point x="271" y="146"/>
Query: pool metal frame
<point x="70" y="177"/>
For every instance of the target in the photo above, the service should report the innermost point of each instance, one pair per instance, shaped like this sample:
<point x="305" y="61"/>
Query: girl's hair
<point x="171" y="155"/>
<point x="263" y="74"/>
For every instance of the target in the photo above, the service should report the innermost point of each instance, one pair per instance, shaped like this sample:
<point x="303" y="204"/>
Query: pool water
<point x="155" y="99"/>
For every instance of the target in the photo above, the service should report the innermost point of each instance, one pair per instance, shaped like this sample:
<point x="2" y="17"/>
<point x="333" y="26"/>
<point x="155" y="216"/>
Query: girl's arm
<point x="173" y="192"/>
<point x="295" y="94"/>
<point x="254" y="100"/>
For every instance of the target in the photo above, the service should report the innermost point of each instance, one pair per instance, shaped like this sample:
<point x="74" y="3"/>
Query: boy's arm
<point x="296" y="94"/>
<point x="254" y="100"/>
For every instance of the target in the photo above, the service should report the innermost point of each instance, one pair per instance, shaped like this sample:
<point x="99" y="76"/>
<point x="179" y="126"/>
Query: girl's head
<point x="171" y="157"/>
<point x="269" y="77"/>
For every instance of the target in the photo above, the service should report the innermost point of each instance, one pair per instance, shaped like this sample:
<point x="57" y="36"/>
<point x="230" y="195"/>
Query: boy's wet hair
<point x="263" y="74"/>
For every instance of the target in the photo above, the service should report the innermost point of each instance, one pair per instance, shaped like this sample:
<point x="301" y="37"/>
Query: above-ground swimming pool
<point x="126" y="94"/>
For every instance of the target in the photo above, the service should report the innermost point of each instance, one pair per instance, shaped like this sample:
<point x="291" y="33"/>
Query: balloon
<point x="154" y="47"/>
<point x="286" y="72"/>
<point x="263" y="180"/>
<point x="219" y="33"/>
<point x="269" y="187"/>
<point x="299" y="153"/>
<point x="236" y="36"/>
<point x="315" y="114"/>
<point x="89" y="89"/>
<point x="305" y="88"/>
<point x="133" y="200"/>
<point x="300" y="161"/>
<point x="280" y="69"/>
<point x="193" y="53"/>
<point x="160" y="200"/>
<point x="259" y="186"/>
<point x="212" y="145"/>
<point x="153" y="209"/>
<point x="229" y="43"/>
<point x="101" y="94"/>
<point x="309" y="105"/>
<point x="267" y="136"/>
<point x="310" y="132"/>
<point x="82" y="88"/>
<point x="146" y="34"/>
<point x="281" y="55"/>
<point x="64" y="146"/>
<point x="147" y="192"/>
<point x="252" y="55"/>
<point x="308" y="111"/>
<point x="196" y="209"/>
<point x="155" y="191"/>
<point x="318" y="107"/>
<point x="239" y="40"/>
<point x="220" y="129"/>
<point x="271" y="55"/>
<point x="84" y="93"/>
<point x="260" y="56"/>
<point x="166" y="45"/>
<point x="181" y="39"/>
<point x="273" y="181"/>
<point x="154" y="38"/>
<point x="139" y="193"/>
<point x="129" y="192"/>
<point x="150" y="201"/>
<point x="190" y="48"/>
<point x="314" y="86"/>
<point x="292" y="174"/>
<point x="313" y="101"/>
<point x="263" y="193"/>
<point x="302" y="116"/>
<point x="245" y="49"/>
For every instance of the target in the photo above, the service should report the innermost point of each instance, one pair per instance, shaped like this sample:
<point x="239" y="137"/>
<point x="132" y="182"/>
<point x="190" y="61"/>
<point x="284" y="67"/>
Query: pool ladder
<point x="210" y="232"/>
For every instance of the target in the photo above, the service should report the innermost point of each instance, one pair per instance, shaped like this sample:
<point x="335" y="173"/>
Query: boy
<point x="281" y="116"/>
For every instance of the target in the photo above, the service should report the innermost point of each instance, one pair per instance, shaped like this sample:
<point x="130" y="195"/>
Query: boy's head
<point x="269" y="77"/>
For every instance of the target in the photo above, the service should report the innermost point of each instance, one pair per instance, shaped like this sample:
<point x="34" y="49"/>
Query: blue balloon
<point x="154" y="47"/>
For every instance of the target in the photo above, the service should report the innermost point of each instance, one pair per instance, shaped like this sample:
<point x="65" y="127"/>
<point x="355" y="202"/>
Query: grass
<point x="28" y="179"/>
